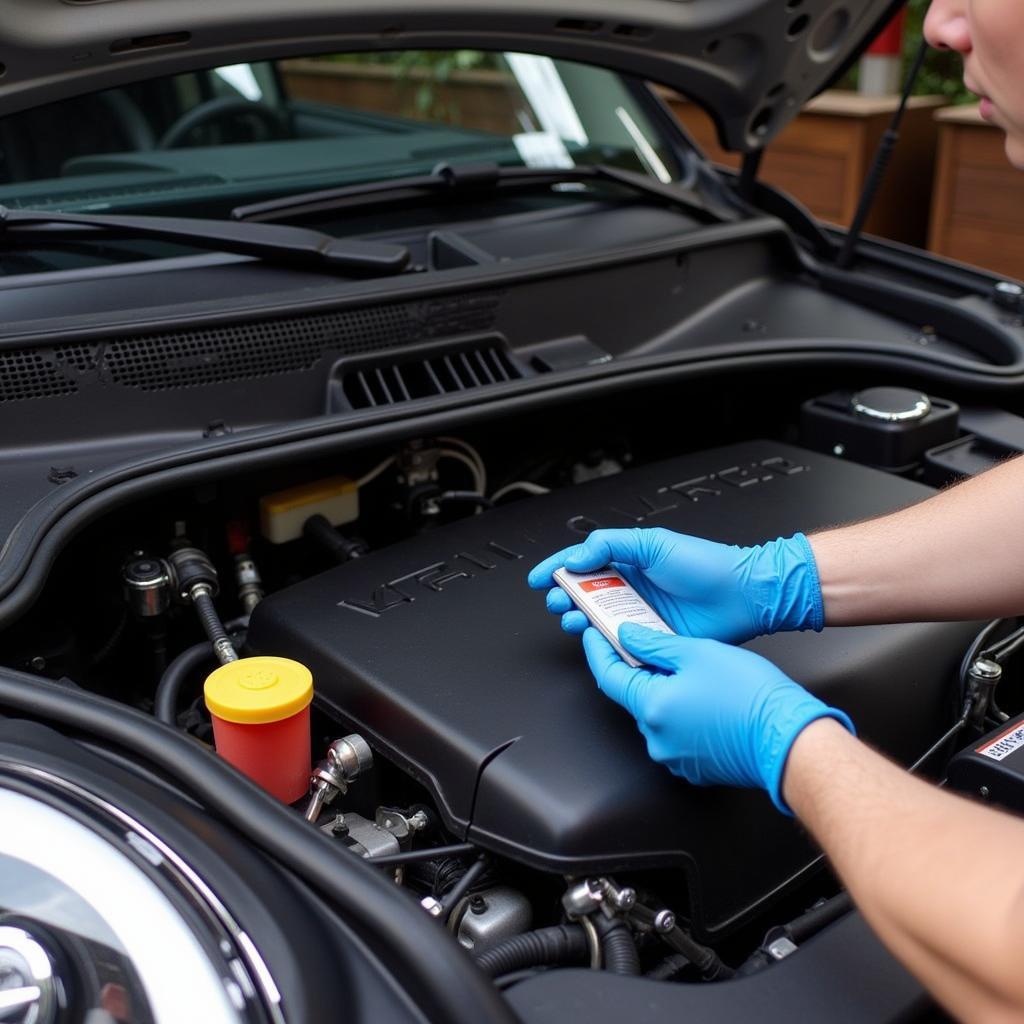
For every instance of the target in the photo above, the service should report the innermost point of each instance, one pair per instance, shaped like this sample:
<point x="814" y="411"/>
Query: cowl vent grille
<point x="406" y="377"/>
<point x="242" y="351"/>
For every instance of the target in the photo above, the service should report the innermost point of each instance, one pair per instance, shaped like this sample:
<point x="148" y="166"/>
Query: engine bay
<point x="458" y="739"/>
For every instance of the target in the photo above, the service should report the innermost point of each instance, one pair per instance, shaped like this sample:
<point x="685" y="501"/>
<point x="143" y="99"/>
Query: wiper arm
<point x="475" y="177"/>
<point x="275" y="243"/>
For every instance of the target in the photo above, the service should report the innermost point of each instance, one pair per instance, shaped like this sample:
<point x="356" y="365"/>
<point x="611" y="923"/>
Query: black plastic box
<point x="830" y="424"/>
<point x="993" y="767"/>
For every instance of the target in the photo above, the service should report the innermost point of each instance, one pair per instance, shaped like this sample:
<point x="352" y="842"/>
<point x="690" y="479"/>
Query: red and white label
<point x="608" y="601"/>
<point x="1004" y="744"/>
<point x="605" y="583"/>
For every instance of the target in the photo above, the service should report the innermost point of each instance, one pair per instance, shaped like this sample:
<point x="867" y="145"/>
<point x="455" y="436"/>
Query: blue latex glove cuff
<point x="783" y="585"/>
<point x="812" y="584"/>
<point x="785" y="727"/>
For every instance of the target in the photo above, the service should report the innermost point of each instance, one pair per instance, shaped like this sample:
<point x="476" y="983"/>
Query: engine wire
<point x="479" y="476"/>
<point x="375" y="472"/>
<point x="470" y="452"/>
<point x="409" y="856"/>
<point x="528" y="486"/>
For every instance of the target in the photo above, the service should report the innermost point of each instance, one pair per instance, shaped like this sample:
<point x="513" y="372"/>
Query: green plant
<point x="421" y="74"/>
<point x="441" y="64"/>
<point x="942" y="74"/>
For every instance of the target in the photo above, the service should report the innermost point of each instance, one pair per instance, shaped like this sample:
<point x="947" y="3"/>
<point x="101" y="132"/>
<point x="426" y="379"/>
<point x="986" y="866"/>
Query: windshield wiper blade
<point x="476" y="177"/>
<point x="274" y="243"/>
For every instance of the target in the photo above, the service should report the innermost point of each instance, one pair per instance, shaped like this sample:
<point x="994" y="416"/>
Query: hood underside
<point x="751" y="63"/>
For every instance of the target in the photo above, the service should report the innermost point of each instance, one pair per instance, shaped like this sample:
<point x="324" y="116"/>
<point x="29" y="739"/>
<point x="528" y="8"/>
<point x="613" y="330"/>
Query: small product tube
<point x="260" y="712"/>
<point x="608" y="601"/>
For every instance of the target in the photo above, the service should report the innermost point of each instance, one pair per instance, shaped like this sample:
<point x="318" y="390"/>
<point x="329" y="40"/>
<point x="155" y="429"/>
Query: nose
<point x="946" y="27"/>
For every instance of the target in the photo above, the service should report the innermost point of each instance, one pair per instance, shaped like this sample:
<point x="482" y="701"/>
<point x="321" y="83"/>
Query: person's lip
<point x="986" y="106"/>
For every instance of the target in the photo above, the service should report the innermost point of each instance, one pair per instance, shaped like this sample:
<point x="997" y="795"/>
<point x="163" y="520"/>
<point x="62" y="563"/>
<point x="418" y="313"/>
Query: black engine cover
<point x="436" y="651"/>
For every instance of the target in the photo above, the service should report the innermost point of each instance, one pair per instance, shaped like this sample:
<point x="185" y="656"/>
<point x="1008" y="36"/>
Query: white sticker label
<point x="1004" y="745"/>
<point x="552" y="105"/>
<point x="542" y="149"/>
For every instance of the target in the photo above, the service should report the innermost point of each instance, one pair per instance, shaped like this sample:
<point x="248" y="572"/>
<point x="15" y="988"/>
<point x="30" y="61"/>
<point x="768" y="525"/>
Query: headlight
<point x="97" y="914"/>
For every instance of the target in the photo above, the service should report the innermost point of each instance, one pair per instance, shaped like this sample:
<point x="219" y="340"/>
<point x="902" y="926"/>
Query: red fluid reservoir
<point x="260" y="711"/>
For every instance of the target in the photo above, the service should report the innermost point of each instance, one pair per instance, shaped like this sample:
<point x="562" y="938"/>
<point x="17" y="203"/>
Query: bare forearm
<point x="958" y="555"/>
<point x="940" y="879"/>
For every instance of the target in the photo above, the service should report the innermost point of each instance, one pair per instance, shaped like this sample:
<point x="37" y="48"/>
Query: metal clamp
<point x="598" y="894"/>
<point x="983" y="677"/>
<point x="346" y="759"/>
<point x="147" y="585"/>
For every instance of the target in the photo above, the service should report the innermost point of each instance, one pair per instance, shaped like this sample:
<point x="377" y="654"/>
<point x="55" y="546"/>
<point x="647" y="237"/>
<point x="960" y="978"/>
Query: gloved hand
<point x="698" y="587"/>
<point x="711" y="713"/>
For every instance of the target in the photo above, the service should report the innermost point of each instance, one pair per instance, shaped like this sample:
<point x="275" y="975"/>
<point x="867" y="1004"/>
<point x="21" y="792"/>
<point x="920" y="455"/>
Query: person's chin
<point x="1015" y="151"/>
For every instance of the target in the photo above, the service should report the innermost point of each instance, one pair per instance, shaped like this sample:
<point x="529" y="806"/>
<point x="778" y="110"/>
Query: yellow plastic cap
<point x="258" y="690"/>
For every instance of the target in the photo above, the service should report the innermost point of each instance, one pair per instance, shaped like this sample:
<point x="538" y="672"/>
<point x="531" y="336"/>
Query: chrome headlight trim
<point x="249" y="977"/>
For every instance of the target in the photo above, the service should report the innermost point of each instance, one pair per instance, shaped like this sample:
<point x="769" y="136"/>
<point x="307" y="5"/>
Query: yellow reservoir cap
<point x="255" y="691"/>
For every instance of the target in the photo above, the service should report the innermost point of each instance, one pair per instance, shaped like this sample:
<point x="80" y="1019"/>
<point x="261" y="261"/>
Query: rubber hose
<point x="705" y="959"/>
<point x="618" y="949"/>
<point x="318" y="529"/>
<point x="210" y="621"/>
<point x="818" y="918"/>
<point x="668" y="968"/>
<point x="562" y="944"/>
<point x="107" y="649"/>
<point x="168" y="691"/>
<point x="462" y="886"/>
<point x="424" y="960"/>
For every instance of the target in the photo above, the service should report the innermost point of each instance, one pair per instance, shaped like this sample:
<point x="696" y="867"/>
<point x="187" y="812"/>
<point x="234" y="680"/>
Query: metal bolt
<point x="1008" y="295"/>
<point x="664" y="921"/>
<point x="986" y="669"/>
<point x="839" y="450"/>
<point x="352" y="756"/>
<point x="37" y="664"/>
<point x="781" y="948"/>
<point x="433" y="907"/>
<point x="624" y="899"/>
<point x="984" y="792"/>
<point x="338" y="826"/>
<point x="478" y="905"/>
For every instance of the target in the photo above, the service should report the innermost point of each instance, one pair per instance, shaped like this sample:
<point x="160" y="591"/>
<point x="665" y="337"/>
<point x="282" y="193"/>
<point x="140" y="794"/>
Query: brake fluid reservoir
<point x="260" y="711"/>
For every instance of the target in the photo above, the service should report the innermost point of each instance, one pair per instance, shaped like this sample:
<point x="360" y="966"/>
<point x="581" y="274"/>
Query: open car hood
<point x="751" y="63"/>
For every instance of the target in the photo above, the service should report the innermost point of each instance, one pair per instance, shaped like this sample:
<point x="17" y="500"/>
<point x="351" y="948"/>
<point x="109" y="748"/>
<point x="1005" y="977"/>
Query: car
<point x="323" y="323"/>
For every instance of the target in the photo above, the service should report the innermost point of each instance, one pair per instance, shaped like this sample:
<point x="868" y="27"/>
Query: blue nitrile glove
<point x="700" y="588"/>
<point x="711" y="713"/>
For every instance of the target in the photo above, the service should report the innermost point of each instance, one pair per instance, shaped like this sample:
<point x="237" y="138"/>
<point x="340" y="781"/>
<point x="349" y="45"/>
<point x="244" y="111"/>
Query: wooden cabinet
<point x="978" y="207"/>
<point x="823" y="158"/>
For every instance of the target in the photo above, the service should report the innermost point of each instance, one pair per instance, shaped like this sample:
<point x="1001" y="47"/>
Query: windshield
<point x="200" y="143"/>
